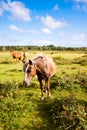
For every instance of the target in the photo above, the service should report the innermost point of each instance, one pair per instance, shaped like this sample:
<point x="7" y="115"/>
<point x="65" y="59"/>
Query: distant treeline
<point x="49" y="47"/>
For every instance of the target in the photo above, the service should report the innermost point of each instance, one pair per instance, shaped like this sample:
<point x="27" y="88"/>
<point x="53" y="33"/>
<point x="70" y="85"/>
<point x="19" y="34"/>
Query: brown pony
<point x="42" y="66"/>
<point x="16" y="55"/>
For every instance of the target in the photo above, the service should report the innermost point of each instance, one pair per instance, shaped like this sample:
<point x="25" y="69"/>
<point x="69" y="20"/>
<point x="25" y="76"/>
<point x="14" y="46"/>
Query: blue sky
<point x="43" y="22"/>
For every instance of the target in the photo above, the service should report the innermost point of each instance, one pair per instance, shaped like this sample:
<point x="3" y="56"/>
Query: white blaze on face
<point x="26" y="75"/>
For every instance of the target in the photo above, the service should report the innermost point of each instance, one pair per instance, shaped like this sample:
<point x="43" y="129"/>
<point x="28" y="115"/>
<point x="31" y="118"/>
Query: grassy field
<point x="22" y="109"/>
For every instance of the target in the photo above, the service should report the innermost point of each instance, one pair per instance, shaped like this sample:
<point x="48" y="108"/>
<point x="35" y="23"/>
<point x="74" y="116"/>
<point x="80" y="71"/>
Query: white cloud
<point x="20" y="30"/>
<point x="56" y="7"/>
<point x="17" y="10"/>
<point x="16" y="29"/>
<point x="61" y="34"/>
<point x="52" y="23"/>
<point x="33" y="31"/>
<point x="81" y="5"/>
<point x="1" y="11"/>
<point x="84" y="7"/>
<point x="83" y="1"/>
<point x="5" y="6"/>
<point x="37" y="17"/>
<point x="79" y="37"/>
<point x="79" y="40"/>
<point x="46" y="30"/>
<point x="41" y="42"/>
<point x="77" y="7"/>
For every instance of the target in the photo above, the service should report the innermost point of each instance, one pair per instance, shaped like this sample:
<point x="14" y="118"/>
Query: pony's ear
<point x="24" y="57"/>
<point x="30" y="62"/>
<point x="24" y="61"/>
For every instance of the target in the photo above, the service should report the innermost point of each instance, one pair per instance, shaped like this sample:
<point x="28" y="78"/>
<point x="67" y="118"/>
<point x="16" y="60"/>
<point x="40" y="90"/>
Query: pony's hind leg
<point x="45" y="88"/>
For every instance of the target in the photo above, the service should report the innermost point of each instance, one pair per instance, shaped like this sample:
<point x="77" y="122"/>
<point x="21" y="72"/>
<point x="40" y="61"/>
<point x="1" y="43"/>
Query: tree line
<point x="47" y="47"/>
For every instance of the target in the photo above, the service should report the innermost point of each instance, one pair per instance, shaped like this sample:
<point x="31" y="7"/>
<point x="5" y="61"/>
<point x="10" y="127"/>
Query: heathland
<point x="21" y="108"/>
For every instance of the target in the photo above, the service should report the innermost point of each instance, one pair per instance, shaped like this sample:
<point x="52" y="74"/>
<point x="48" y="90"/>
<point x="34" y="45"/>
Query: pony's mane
<point x="40" y="56"/>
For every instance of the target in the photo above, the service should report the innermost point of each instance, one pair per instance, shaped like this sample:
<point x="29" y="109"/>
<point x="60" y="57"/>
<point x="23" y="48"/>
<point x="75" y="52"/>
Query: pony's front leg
<point x="42" y="88"/>
<point x="47" y="82"/>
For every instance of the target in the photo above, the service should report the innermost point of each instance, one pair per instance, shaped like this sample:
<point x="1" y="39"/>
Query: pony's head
<point x="29" y="71"/>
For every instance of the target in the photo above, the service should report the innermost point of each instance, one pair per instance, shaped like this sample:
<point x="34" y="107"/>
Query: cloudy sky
<point x="43" y="22"/>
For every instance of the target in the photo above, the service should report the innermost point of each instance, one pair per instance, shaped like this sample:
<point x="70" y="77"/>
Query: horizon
<point x="56" y="47"/>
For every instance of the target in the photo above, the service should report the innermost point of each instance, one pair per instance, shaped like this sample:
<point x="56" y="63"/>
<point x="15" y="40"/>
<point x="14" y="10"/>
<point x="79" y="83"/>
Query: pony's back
<point x="45" y="64"/>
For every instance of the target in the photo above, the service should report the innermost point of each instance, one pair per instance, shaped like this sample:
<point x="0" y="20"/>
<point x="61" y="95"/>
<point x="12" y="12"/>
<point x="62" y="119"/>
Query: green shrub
<point x="67" y="113"/>
<point x="69" y="82"/>
<point x="61" y="61"/>
<point x="15" y="106"/>
<point x="81" y="60"/>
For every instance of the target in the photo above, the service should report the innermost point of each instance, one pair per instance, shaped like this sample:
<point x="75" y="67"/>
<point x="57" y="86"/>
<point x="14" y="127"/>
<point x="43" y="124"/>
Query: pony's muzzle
<point x="24" y="83"/>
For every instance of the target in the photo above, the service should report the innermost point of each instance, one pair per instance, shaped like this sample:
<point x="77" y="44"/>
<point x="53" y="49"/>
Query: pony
<point x="16" y="55"/>
<point x="42" y="66"/>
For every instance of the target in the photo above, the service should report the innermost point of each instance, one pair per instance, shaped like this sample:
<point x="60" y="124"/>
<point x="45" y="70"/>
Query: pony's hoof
<point x="49" y="96"/>
<point x="42" y="98"/>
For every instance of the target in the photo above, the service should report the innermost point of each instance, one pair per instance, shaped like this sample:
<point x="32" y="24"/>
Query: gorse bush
<point x="81" y="79"/>
<point x="81" y="60"/>
<point x="61" y="61"/>
<point x="70" y="82"/>
<point x="67" y="113"/>
<point x="64" y="61"/>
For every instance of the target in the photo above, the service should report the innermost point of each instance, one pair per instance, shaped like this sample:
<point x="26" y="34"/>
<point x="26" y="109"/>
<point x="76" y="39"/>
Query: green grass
<point x="21" y="108"/>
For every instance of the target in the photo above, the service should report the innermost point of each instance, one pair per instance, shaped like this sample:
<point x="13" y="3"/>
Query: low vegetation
<point x="22" y="109"/>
